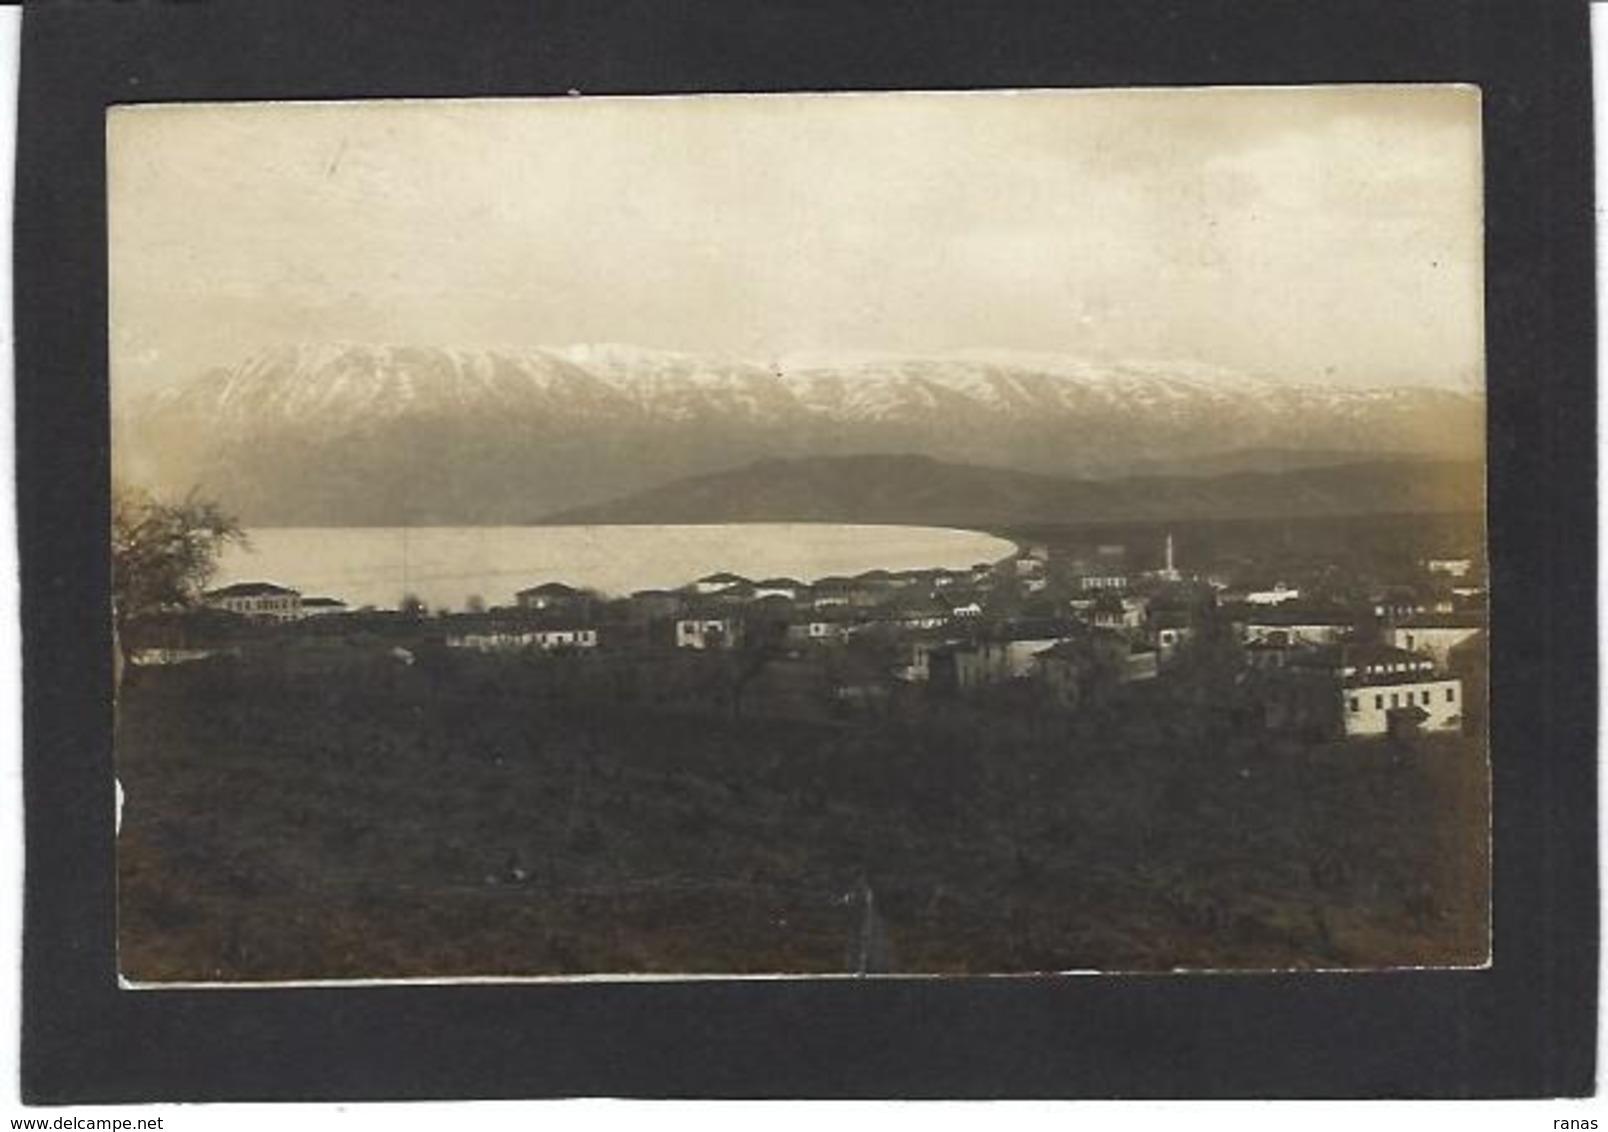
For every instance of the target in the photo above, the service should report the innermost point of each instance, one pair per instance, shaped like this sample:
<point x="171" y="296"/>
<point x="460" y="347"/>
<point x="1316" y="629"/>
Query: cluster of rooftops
<point x="1048" y="617"/>
<point x="1094" y="587"/>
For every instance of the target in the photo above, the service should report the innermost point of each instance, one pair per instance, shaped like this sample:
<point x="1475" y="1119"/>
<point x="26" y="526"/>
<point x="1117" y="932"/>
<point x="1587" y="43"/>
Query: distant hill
<point x="1269" y="459"/>
<point x="924" y="491"/>
<point x="339" y="435"/>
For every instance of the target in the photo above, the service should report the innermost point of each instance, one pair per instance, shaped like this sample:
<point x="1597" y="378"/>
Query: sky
<point x="1327" y="234"/>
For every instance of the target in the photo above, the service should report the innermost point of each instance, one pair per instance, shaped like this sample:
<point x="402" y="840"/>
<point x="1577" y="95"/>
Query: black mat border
<point x="1523" y="1028"/>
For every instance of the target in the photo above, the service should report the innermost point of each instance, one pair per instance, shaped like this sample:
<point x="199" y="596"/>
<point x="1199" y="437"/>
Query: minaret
<point x="1171" y="571"/>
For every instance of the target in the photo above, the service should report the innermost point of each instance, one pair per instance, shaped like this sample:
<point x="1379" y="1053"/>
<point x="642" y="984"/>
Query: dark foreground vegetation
<point x="290" y="816"/>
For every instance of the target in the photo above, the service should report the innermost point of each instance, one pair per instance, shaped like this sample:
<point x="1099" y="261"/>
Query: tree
<point x="163" y="554"/>
<point x="413" y="606"/>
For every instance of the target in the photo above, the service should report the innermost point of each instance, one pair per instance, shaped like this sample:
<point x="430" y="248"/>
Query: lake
<point x="445" y="566"/>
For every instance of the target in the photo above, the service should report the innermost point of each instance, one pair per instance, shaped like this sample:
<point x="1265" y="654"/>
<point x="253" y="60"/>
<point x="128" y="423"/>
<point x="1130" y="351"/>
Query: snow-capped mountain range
<point x="358" y="433"/>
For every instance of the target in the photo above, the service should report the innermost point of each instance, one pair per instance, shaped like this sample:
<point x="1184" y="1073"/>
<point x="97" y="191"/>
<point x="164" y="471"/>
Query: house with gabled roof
<point x="553" y="597"/>
<point x="1363" y="689"/>
<point x="260" y="601"/>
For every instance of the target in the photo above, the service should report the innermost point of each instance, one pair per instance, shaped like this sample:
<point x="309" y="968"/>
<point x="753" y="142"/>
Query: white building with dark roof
<point x="1386" y="690"/>
<point x="260" y="601"/>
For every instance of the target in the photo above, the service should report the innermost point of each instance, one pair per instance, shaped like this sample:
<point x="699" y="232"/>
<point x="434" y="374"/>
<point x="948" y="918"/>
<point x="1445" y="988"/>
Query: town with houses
<point x="1315" y="653"/>
<point x="1176" y="652"/>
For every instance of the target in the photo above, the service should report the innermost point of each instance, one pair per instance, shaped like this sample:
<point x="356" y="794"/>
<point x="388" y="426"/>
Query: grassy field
<point x="308" y="818"/>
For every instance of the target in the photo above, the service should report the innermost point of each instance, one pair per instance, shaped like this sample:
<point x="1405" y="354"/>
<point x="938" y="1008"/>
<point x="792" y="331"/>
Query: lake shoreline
<point x="454" y="567"/>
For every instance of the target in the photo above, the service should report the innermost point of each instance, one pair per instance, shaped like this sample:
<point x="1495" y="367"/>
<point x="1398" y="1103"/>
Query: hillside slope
<point x="352" y="435"/>
<point x="919" y="490"/>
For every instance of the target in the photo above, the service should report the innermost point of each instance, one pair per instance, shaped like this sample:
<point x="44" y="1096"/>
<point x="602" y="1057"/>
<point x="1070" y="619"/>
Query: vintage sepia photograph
<point x="896" y="534"/>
